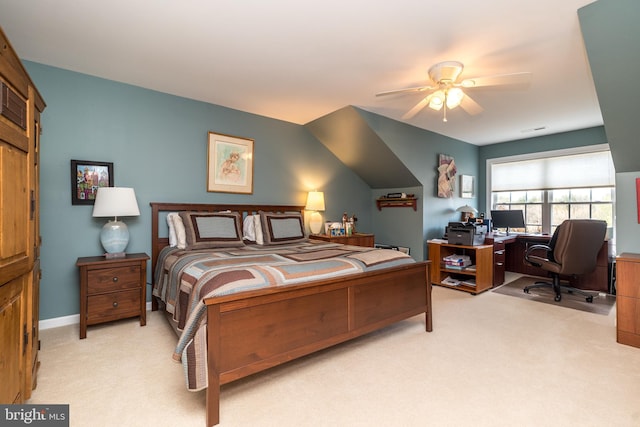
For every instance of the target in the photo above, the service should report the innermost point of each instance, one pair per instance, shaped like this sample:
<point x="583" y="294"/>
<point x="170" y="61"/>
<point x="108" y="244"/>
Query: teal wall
<point x="614" y="59"/>
<point x="158" y="144"/>
<point x="419" y="150"/>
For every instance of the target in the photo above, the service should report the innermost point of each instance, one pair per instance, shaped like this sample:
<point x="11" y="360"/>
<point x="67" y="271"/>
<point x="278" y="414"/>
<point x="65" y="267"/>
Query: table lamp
<point x="467" y="212"/>
<point x="115" y="202"/>
<point x="315" y="203"/>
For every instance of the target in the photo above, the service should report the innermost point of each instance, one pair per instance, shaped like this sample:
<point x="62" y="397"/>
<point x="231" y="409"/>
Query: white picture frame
<point x="467" y="185"/>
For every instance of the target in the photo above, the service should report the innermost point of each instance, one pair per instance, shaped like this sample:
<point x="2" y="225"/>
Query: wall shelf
<point x="405" y="202"/>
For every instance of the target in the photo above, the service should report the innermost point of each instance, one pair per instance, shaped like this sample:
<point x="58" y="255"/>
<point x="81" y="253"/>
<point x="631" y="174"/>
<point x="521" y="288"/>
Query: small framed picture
<point x="337" y="232"/>
<point x="466" y="186"/>
<point x="86" y="177"/>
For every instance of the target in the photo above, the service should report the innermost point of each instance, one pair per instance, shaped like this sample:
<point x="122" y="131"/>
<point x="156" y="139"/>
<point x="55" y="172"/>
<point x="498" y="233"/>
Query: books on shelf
<point x="456" y="260"/>
<point x="469" y="268"/>
<point x="469" y="282"/>
<point x="450" y="281"/>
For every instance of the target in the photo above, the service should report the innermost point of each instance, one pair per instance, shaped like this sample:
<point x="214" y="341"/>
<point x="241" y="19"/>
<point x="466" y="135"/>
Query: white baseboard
<point x="67" y="320"/>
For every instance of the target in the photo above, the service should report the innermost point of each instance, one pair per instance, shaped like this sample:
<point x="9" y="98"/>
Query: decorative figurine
<point x="353" y="220"/>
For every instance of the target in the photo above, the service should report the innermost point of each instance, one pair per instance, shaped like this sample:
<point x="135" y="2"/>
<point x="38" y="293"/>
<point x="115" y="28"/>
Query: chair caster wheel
<point x="558" y="298"/>
<point x="526" y="291"/>
<point x="589" y="299"/>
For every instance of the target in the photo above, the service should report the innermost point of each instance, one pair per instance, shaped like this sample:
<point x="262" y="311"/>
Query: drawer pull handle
<point x="500" y="252"/>
<point x="499" y="264"/>
<point x="115" y="279"/>
<point x="115" y="304"/>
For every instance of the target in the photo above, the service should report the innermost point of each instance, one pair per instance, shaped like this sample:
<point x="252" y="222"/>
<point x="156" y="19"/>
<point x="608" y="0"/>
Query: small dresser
<point x="628" y="299"/>
<point x="112" y="289"/>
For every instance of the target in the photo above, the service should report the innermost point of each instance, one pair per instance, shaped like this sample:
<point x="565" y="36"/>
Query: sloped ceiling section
<point x="348" y="136"/>
<point x="614" y="58"/>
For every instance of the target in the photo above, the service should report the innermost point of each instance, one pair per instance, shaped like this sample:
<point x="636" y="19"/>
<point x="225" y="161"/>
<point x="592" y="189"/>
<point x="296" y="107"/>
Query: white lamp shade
<point x="467" y="209"/>
<point x="115" y="202"/>
<point x="315" y="201"/>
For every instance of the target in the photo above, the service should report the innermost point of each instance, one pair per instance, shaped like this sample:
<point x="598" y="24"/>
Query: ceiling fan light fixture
<point x="437" y="100"/>
<point x="454" y="97"/>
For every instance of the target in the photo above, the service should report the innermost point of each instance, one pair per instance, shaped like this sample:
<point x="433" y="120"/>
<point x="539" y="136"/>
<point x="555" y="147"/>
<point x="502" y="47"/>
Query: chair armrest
<point x="537" y="248"/>
<point x="535" y="260"/>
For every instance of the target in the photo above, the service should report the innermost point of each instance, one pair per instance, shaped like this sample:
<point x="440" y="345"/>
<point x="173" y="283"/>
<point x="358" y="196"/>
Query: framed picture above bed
<point x="230" y="164"/>
<point x="86" y="177"/>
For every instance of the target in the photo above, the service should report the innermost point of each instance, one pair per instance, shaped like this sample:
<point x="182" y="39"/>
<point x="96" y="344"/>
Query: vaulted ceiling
<point x="299" y="61"/>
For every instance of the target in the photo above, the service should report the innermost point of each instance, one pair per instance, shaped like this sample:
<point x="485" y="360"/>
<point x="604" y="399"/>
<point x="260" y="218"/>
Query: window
<point x="558" y="186"/>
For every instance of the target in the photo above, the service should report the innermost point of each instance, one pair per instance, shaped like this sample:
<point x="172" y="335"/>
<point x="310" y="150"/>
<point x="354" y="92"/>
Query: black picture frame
<point x="86" y="177"/>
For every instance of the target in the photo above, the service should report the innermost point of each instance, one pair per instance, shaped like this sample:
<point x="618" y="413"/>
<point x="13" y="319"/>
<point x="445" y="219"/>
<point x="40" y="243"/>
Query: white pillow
<point x="181" y="235"/>
<point x="258" y="229"/>
<point x="249" y="229"/>
<point x="173" y="239"/>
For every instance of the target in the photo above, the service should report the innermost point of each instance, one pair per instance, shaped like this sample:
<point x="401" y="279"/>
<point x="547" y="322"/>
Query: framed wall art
<point x="230" y="164"/>
<point x="446" y="176"/>
<point x="86" y="177"/>
<point x="466" y="186"/>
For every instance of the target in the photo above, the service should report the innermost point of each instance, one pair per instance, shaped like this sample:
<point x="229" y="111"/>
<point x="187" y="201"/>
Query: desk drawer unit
<point x="499" y="259"/>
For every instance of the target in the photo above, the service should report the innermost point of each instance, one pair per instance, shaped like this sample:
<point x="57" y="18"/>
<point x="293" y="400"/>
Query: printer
<point x="466" y="233"/>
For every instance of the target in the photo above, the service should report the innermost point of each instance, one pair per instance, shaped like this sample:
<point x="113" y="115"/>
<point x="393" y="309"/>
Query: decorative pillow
<point x="181" y="239"/>
<point x="173" y="238"/>
<point x="249" y="228"/>
<point x="280" y="228"/>
<point x="206" y="230"/>
<point x="257" y="222"/>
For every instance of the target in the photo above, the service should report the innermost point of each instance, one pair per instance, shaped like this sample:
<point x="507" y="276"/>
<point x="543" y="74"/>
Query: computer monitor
<point x="508" y="219"/>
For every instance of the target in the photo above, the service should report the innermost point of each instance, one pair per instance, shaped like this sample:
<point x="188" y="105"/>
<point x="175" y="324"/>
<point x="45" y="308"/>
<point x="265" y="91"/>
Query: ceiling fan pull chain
<point x="444" y="119"/>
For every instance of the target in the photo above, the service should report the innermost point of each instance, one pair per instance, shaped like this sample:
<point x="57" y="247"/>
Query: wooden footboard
<point x="256" y="331"/>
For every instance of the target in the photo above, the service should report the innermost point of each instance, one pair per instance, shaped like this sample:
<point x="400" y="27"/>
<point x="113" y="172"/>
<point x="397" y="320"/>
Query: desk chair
<point x="572" y="251"/>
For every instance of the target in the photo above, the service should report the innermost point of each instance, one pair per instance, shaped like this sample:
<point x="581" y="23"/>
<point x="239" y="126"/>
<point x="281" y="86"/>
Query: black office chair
<point x="572" y="251"/>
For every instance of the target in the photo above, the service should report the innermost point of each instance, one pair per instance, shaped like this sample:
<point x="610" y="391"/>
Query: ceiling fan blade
<point x="417" y="108"/>
<point x="410" y="89"/>
<point x="470" y="106"/>
<point x="497" y="80"/>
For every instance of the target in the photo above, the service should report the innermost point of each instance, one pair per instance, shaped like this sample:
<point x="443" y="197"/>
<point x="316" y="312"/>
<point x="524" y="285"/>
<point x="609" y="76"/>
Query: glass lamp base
<point x="114" y="238"/>
<point x="315" y="222"/>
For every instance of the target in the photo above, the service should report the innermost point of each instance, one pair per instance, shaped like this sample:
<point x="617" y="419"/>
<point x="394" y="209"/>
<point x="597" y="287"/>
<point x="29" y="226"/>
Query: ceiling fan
<point x="446" y="92"/>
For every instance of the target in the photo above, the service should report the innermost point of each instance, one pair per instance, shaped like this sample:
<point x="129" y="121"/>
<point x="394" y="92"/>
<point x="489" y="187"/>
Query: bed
<point x="245" y="332"/>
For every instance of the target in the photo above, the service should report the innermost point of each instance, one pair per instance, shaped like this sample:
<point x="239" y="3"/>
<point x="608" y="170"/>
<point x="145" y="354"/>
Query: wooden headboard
<point x="157" y="242"/>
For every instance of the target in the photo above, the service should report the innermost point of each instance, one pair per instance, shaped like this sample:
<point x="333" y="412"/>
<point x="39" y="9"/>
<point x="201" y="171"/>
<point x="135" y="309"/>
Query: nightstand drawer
<point x="113" y="279"/>
<point x="114" y="305"/>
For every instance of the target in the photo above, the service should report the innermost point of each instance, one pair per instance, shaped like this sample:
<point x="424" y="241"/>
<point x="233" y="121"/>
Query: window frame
<point x="547" y="227"/>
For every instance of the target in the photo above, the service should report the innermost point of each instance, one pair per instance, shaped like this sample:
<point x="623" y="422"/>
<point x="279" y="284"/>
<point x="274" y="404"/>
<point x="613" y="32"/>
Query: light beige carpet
<point x="602" y="303"/>
<point x="491" y="361"/>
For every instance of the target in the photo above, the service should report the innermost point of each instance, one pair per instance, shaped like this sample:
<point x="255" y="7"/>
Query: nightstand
<point x="356" y="239"/>
<point x="112" y="289"/>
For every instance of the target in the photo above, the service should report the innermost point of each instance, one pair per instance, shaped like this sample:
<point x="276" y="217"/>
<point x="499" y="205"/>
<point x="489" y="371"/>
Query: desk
<point x="509" y="255"/>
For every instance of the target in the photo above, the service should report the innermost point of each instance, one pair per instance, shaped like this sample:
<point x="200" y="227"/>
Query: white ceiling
<point x="298" y="60"/>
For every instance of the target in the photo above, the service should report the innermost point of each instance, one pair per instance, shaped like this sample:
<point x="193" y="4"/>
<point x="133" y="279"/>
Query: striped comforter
<point x="183" y="279"/>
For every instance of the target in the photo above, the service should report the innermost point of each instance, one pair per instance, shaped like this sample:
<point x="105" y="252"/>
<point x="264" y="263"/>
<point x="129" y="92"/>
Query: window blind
<point x="571" y="171"/>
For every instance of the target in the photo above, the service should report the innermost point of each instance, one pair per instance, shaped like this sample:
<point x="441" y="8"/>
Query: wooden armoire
<point x="20" y="108"/>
